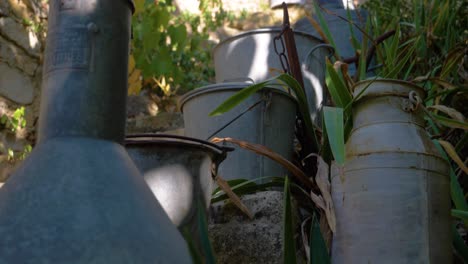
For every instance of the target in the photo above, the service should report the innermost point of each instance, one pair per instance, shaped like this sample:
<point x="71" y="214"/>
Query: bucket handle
<point x="183" y="138"/>
<point x="240" y="79"/>
<point x="330" y="48"/>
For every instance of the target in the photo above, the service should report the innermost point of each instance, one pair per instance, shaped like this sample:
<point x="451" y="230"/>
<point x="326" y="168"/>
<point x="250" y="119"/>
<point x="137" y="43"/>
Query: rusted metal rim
<point x="229" y="86"/>
<point x="386" y="87"/>
<point x="152" y="139"/>
<point x="276" y="30"/>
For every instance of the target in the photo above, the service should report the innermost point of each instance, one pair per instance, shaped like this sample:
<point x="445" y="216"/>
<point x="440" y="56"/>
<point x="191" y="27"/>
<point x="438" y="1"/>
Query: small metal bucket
<point x="270" y="123"/>
<point x="251" y="56"/>
<point x="179" y="170"/>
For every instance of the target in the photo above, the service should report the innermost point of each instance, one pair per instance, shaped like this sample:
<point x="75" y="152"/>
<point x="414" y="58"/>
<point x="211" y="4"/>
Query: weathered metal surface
<point x="78" y="197"/>
<point x="179" y="171"/>
<point x="82" y="42"/>
<point x="252" y="55"/>
<point x="392" y="197"/>
<point x="339" y="28"/>
<point x="271" y="123"/>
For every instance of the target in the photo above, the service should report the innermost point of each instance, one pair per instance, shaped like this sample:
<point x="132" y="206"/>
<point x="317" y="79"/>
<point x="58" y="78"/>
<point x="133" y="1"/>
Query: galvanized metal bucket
<point x="179" y="170"/>
<point x="392" y="197"/>
<point x="251" y="56"/>
<point x="270" y="123"/>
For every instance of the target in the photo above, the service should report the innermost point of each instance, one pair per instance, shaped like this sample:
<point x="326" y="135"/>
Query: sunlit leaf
<point x="139" y="6"/>
<point x="238" y="98"/>
<point x="178" y="36"/>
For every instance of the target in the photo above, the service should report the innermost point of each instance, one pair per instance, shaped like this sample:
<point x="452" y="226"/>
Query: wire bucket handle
<point x="309" y="56"/>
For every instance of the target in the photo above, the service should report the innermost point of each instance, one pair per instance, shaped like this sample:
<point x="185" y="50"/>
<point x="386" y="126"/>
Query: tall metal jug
<point x="392" y="196"/>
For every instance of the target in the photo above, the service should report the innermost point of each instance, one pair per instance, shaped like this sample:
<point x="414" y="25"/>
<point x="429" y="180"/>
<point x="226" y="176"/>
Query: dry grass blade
<point x="450" y="112"/>
<point x="232" y="196"/>
<point x="264" y="151"/>
<point x="453" y="155"/>
<point x="325" y="189"/>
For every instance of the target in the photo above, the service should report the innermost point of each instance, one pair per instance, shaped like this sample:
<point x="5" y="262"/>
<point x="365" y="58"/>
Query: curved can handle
<point x="330" y="48"/>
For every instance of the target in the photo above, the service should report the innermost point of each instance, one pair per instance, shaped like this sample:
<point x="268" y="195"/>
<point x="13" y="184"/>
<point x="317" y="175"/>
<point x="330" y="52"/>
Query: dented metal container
<point x="179" y="170"/>
<point x="270" y="123"/>
<point x="251" y="56"/>
<point x="392" y="196"/>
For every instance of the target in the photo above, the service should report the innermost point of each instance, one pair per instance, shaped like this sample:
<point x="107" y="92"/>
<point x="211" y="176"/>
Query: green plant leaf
<point x="460" y="214"/>
<point x="178" y="36"/>
<point x="139" y="6"/>
<point x="456" y="191"/>
<point x="448" y="122"/>
<point x="238" y="98"/>
<point x="204" y="237"/>
<point x="325" y="28"/>
<point x="189" y="238"/>
<point x="459" y="244"/>
<point x="318" y="248"/>
<point x="303" y="109"/>
<point x="162" y="63"/>
<point x="335" y="131"/>
<point x="289" y="244"/>
<point x="396" y="69"/>
<point x="337" y="87"/>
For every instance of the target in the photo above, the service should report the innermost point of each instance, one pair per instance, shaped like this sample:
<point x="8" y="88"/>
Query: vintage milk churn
<point x="392" y="196"/>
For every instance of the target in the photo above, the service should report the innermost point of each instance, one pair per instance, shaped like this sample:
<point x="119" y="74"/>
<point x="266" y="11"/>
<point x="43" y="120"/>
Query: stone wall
<point x="21" y="45"/>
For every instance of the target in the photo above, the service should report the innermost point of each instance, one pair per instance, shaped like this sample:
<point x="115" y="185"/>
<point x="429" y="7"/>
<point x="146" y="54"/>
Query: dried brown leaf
<point x="450" y="112"/>
<point x="453" y="155"/>
<point x="324" y="185"/>
<point x="232" y="196"/>
<point x="264" y="151"/>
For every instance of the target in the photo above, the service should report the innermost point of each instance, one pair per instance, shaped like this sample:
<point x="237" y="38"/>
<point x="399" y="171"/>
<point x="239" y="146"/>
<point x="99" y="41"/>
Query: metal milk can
<point x="392" y="196"/>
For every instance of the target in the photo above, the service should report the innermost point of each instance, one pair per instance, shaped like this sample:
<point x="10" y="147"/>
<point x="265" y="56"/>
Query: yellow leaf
<point x="453" y="155"/>
<point x="131" y="63"/>
<point x="134" y="83"/>
<point x="134" y="77"/>
<point x="139" y="6"/>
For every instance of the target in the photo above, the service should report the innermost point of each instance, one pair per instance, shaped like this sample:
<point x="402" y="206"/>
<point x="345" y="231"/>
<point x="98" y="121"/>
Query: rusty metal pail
<point x="392" y="197"/>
